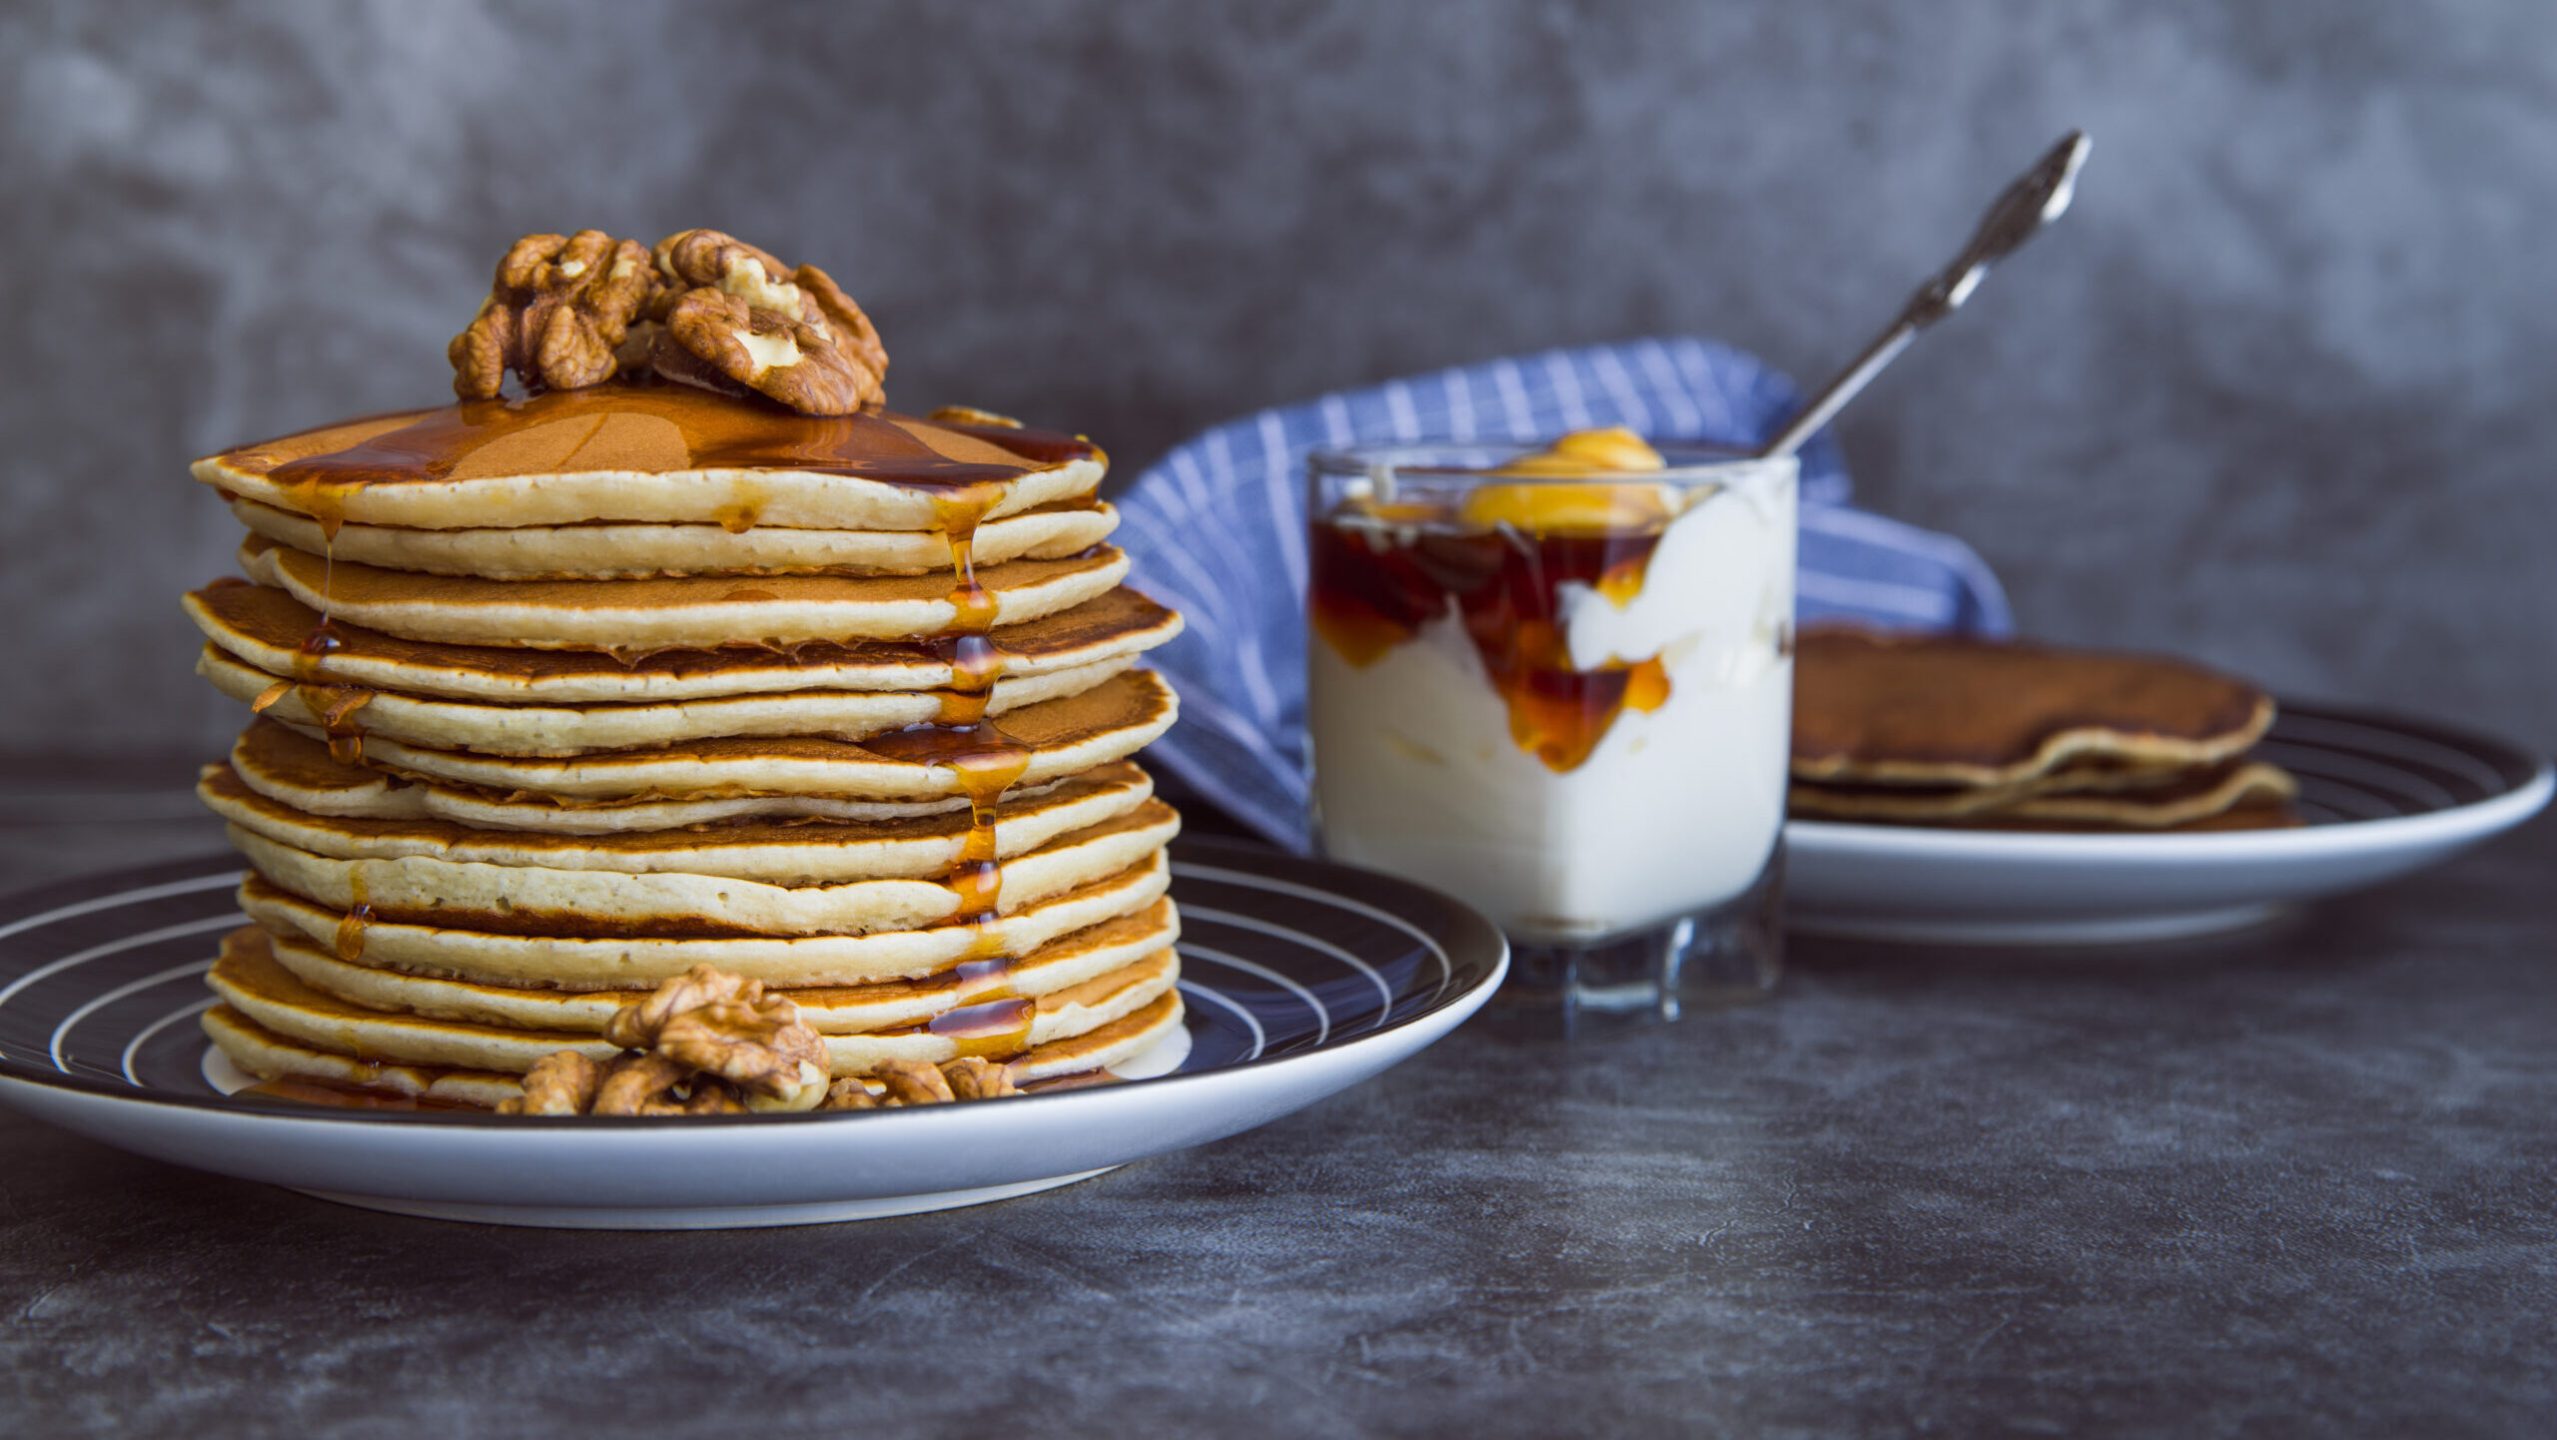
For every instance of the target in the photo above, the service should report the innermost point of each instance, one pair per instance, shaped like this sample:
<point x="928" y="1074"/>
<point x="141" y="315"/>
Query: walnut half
<point x="915" y="1082"/>
<point x="556" y="315"/>
<point x="739" y="314"/>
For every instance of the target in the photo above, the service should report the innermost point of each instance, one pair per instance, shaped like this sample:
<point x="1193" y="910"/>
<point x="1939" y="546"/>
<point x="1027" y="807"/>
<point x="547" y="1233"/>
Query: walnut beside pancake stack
<point x="689" y="684"/>
<point x="1924" y="729"/>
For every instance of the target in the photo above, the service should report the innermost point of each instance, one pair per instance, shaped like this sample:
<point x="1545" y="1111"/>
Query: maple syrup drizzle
<point x="995" y="1030"/>
<point x="319" y="494"/>
<point x="359" y="914"/>
<point x="988" y="763"/>
<point x="746" y="511"/>
<point x="983" y="980"/>
<point x="335" y="707"/>
<point x="323" y="495"/>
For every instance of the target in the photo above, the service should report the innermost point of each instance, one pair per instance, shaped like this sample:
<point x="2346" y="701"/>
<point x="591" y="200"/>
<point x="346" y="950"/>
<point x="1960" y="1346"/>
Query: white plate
<point x="2382" y="795"/>
<point x="1301" y="979"/>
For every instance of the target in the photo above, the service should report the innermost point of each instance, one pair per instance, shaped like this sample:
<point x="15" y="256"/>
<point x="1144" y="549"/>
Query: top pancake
<point x="653" y="453"/>
<point x="1933" y="710"/>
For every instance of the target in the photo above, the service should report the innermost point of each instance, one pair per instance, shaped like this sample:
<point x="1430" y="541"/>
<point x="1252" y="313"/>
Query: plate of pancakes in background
<point x="1958" y="790"/>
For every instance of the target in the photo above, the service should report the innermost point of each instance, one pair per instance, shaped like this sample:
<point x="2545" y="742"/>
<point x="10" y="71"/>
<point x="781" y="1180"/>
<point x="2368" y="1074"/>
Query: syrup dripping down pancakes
<point x="557" y="698"/>
<point x="1935" y="730"/>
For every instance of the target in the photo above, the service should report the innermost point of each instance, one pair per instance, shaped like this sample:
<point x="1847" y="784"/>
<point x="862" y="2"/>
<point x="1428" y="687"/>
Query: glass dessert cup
<point x="1559" y="685"/>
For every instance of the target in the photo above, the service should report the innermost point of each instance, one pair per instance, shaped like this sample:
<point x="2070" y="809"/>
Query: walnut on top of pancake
<point x="1950" y="730"/>
<point x="701" y="308"/>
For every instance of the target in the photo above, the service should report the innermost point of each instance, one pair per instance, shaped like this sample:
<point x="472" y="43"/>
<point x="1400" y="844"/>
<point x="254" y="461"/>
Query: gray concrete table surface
<point x="2301" y="1180"/>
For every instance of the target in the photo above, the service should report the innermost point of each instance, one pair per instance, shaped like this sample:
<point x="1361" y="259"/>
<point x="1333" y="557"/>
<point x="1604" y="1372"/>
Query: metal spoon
<point x="2038" y="197"/>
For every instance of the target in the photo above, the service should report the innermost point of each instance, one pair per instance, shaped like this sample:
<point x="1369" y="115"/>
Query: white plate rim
<point x="2449" y="824"/>
<point x="1452" y="1004"/>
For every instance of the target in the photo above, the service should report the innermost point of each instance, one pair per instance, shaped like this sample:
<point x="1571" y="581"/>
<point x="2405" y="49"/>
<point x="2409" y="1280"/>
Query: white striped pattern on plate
<point x="100" y="980"/>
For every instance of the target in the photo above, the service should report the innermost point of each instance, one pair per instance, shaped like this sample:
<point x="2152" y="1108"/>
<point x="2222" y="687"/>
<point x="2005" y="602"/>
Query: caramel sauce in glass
<point x="1379" y="572"/>
<point x="1373" y="588"/>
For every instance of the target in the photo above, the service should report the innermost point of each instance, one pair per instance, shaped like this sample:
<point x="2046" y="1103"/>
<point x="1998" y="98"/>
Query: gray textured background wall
<point x="2280" y="392"/>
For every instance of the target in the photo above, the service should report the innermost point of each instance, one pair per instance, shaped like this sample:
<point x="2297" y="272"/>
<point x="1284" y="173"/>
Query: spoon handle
<point x="2036" y="198"/>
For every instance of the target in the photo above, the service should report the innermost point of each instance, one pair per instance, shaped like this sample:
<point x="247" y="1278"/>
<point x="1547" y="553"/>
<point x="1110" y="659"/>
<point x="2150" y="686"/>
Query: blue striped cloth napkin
<point x="1217" y="531"/>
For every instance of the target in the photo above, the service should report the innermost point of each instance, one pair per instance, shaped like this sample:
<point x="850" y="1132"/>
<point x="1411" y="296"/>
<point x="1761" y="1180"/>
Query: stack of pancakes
<point x="1936" y="730"/>
<point x="559" y="698"/>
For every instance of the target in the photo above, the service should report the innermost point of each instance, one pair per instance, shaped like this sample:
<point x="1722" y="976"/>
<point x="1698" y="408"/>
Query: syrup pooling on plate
<point x="334" y="1096"/>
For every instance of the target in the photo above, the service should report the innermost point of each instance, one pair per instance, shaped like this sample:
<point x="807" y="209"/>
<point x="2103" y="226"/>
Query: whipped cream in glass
<point x="1555" y="683"/>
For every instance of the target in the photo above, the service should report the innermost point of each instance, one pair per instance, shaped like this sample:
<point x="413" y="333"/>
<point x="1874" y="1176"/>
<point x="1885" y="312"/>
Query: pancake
<point x="250" y="982"/>
<point x="2182" y="801"/>
<point x="691" y="612"/>
<point x="664" y="454"/>
<point x="847" y="1009"/>
<point x="1933" y="710"/>
<point x="564" y="730"/>
<point x="520" y="899"/>
<point x="620" y="552"/>
<point x="297" y="771"/>
<point x="1952" y="803"/>
<point x="605" y="961"/>
<point x="772" y="852"/>
<point x="265" y="627"/>
<point x="262" y="1053"/>
<point x="2254" y="813"/>
<point x="1108" y="722"/>
<point x="2197" y="797"/>
<point x="268" y="1056"/>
